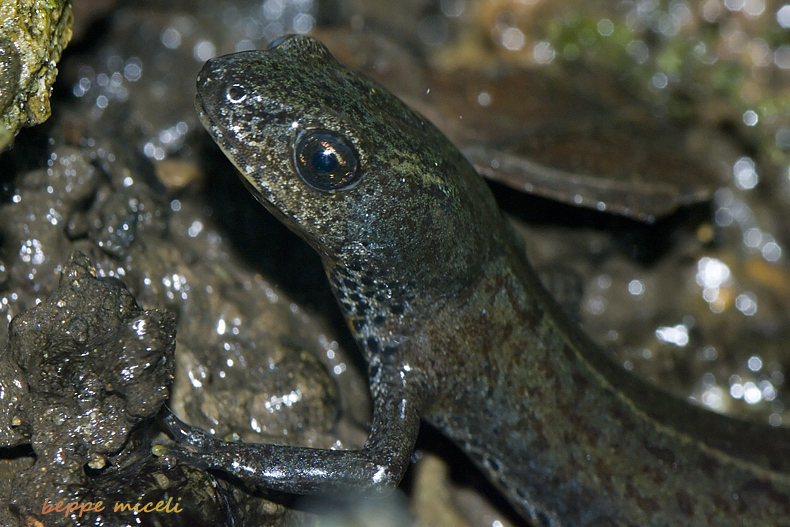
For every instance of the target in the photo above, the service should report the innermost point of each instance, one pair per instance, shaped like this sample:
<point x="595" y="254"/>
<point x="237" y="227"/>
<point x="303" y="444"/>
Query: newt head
<point x="369" y="183"/>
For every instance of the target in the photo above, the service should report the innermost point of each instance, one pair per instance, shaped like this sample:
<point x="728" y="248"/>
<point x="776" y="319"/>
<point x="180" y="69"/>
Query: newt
<point x="454" y="324"/>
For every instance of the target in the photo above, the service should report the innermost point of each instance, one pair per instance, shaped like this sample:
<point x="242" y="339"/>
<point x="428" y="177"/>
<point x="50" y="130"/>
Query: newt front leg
<point x="373" y="470"/>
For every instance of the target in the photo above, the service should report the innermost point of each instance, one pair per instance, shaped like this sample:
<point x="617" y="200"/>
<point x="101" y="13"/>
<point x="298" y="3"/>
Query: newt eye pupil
<point x="326" y="160"/>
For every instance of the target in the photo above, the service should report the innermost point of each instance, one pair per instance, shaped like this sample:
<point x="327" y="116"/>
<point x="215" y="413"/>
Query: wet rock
<point x="87" y="371"/>
<point x="9" y="73"/>
<point x="32" y="37"/>
<point x="34" y="241"/>
<point x="84" y="368"/>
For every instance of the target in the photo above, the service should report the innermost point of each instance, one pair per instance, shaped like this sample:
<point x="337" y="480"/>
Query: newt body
<point x="454" y="324"/>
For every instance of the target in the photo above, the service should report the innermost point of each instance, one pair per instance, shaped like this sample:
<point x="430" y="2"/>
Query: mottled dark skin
<point x="457" y="330"/>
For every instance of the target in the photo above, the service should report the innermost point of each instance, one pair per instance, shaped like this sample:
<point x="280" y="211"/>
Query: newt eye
<point x="326" y="160"/>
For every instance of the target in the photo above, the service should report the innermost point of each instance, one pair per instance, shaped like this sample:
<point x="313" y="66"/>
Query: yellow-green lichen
<point x="33" y="33"/>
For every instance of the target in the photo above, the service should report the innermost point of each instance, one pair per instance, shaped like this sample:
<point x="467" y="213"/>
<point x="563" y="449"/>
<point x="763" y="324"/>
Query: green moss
<point x="33" y="34"/>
